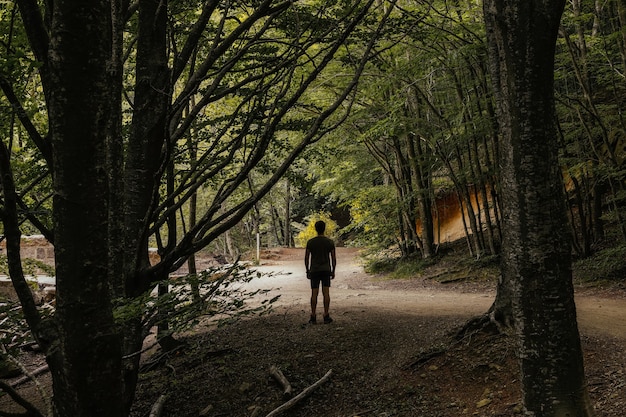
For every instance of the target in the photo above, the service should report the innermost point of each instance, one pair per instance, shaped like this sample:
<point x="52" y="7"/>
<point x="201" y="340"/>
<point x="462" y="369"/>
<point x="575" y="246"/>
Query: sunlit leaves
<point x="309" y="231"/>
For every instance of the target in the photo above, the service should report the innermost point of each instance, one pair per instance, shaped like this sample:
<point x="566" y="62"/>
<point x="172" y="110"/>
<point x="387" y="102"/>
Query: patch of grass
<point x="485" y="268"/>
<point x="397" y="267"/>
<point x="410" y="267"/>
<point x="451" y="263"/>
<point x="606" y="265"/>
<point x="489" y="261"/>
<point x="379" y="265"/>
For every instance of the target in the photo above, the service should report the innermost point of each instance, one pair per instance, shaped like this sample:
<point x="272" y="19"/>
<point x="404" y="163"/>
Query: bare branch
<point x="13" y="237"/>
<point x="31" y="410"/>
<point x="305" y="393"/>
<point x="43" y="144"/>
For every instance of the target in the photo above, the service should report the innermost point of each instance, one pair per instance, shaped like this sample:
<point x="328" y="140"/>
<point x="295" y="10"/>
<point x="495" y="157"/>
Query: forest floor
<point x="391" y="349"/>
<point x="377" y="348"/>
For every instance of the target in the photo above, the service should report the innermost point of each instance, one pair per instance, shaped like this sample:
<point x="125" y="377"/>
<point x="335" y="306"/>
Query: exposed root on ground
<point x="485" y="324"/>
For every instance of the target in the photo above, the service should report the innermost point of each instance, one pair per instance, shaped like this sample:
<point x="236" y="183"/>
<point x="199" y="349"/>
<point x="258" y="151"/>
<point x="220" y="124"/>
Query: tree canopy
<point x="141" y="111"/>
<point x="173" y="125"/>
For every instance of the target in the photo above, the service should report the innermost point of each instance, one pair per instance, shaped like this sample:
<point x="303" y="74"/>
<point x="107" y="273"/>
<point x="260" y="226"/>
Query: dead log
<point x="305" y="393"/>
<point x="280" y="378"/>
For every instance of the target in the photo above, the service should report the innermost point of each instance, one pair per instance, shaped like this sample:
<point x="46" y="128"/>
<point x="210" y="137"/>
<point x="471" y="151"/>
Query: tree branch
<point x="44" y="146"/>
<point x="209" y="227"/>
<point x="31" y="410"/>
<point x="305" y="393"/>
<point x="13" y="236"/>
<point x="157" y="408"/>
<point x="277" y="374"/>
<point x="35" y="30"/>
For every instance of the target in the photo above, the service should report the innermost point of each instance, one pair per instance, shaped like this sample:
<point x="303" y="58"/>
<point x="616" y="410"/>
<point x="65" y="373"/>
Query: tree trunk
<point x="287" y="239"/>
<point x="142" y="170"/>
<point x="86" y="361"/>
<point x="536" y="242"/>
<point x="420" y="177"/>
<point x="420" y="161"/>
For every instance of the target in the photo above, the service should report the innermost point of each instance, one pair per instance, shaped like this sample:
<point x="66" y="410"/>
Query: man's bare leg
<point x="314" y="293"/>
<point x="326" y="294"/>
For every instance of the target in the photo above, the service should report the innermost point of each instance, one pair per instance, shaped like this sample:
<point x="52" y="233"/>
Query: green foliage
<point x="396" y="267"/>
<point x="309" y="231"/>
<point x="426" y="88"/>
<point x="608" y="264"/>
<point x="590" y="91"/>
<point x="218" y="293"/>
<point x="380" y="265"/>
<point x="31" y="267"/>
<point x="14" y="331"/>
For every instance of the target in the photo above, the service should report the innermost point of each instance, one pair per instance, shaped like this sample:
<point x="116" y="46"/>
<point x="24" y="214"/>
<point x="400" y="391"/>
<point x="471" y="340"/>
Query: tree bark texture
<point x="536" y="241"/>
<point x="85" y="361"/>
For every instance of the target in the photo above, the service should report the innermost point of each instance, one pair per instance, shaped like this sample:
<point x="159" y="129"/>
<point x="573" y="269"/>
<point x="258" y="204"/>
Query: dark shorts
<point x="317" y="277"/>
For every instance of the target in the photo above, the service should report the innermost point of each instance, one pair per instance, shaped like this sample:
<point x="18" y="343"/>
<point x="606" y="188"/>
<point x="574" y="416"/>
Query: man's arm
<point x="333" y="263"/>
<point x="307" y="258"/>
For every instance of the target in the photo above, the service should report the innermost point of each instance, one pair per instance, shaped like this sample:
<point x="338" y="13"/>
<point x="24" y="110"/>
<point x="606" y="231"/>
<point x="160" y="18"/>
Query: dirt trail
<point x="354" y="289"/>
<point x="602" y="316"/>
<point x="380" y="326"/>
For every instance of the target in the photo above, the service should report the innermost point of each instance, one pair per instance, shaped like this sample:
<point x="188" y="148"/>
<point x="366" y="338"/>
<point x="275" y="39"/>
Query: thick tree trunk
<point x="86" y="360"/>
<point x="536" y="241"/>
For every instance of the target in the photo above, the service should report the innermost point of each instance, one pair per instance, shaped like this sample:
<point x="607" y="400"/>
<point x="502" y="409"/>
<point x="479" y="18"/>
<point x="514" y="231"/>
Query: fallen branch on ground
<point x="29" y="376"/>
<point x="159" y="359"/>
<point x="157" y="408"/>
<point x="425" y="357"/>
<point x="31" y="410"/>
<point x="280" y="378"/>
<point x="305" y="393"/>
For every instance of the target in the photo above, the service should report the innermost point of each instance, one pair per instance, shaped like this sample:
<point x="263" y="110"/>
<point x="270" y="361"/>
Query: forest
<point x="193" y="127"/>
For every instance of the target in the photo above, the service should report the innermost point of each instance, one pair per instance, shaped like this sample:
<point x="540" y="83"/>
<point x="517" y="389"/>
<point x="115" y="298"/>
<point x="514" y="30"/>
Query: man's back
<point x="320" y="248"/>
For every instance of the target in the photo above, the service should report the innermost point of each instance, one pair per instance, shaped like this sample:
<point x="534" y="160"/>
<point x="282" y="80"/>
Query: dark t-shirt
<point x="320" y="248"/>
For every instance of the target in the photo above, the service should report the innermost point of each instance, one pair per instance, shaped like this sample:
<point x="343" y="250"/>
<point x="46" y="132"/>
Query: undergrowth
<point x="453" y="257"/>
<point x="608" y="264"/>
<point x="397" y="267"/>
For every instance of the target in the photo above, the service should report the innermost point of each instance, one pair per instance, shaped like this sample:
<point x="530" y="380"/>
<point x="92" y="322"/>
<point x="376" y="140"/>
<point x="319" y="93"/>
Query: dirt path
<point x="602" y="316"/>
<point x="381" y="326"/>
<point x="353" y="288"/>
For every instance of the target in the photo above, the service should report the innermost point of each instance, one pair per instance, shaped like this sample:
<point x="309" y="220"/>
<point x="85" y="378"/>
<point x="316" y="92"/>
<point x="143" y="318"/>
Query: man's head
<point x="320" y="227"/>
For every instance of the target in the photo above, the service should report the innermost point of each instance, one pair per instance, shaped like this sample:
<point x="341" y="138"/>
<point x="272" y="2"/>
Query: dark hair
<point x="320" y="226"/>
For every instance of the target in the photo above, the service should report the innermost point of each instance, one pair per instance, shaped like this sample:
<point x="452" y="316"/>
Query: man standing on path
<point x="320" y="261"/>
